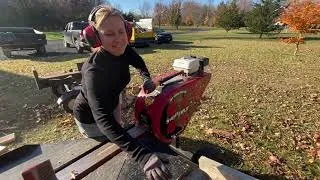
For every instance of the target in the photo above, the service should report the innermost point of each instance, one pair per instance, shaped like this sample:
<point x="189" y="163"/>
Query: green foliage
<point x="229" y="16"/>
<point x="130" y="16"/>
<point x="45" y="15"/>
<point x="261" y="19"/>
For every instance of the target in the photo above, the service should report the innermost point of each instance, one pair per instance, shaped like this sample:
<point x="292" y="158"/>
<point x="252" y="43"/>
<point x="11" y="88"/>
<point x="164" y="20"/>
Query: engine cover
<point x="168" y="110"/>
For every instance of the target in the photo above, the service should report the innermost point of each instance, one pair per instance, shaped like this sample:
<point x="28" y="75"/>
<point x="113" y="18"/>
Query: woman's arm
<point x="102" y="103"/>
<point x="136" y="61"/>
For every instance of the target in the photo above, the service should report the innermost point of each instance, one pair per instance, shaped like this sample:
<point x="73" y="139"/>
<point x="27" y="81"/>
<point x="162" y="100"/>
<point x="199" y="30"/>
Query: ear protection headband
<point x="91" y="34"/>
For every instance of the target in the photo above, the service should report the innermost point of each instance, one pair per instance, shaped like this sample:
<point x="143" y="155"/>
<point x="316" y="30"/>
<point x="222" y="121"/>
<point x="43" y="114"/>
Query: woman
<point x="104" y="75"/>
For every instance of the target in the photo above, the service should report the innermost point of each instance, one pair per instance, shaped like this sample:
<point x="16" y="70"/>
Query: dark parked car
<point x="163" y="36"/>
<point x="72" y="36"/>
<point x="22" y="38"/>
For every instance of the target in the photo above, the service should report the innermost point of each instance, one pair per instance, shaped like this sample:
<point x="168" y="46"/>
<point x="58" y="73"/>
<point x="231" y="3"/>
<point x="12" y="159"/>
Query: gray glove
<point x="149" y="86"/>
<point x="155" y="169"/>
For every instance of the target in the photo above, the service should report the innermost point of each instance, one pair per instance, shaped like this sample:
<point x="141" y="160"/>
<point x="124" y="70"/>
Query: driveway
<point x="54" y="48"/>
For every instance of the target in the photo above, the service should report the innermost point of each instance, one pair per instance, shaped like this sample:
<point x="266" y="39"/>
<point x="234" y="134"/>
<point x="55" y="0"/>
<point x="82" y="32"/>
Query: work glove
<point x="149" y="86"/>
<point x="154" y="169"/>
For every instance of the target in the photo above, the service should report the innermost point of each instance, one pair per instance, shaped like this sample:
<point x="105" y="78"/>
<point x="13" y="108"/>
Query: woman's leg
<point x="92" y="130"/>
<point x="88" y="130"/>
<point x="117" y="111"/>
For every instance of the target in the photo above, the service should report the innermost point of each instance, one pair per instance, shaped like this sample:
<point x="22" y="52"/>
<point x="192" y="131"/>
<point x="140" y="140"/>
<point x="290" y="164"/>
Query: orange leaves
<point x="314" y="152"/>
<point x="301" y="16"/>
<point x="294" y="40"/>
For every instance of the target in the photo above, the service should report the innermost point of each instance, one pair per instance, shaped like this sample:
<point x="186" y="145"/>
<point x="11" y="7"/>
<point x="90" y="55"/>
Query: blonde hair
<point x="103" y="13"/>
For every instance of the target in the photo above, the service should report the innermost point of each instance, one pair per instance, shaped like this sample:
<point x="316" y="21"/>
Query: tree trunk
<point x="297" y="49"/>
<point x="260" y="35"/>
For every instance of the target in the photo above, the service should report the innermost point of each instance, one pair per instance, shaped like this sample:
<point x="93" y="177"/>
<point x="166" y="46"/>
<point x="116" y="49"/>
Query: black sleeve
<point x="136" y="61"/>
<point x="101" y="102"/>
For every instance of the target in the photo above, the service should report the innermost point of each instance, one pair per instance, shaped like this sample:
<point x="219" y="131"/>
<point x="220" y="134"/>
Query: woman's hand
<point x="149" y="86"/>
<point x="155" y="169"/>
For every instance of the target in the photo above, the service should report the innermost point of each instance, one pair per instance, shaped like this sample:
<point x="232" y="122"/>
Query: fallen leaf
<point x="209" y="131"/>
<point x="220" y="133"/>
<point x="274" y="160"/>
<point x="74" y="174"/>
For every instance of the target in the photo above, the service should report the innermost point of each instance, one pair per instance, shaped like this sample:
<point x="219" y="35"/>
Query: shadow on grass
<point x="242" y="37"/>
<point x="20" y="102"/>
<point x="219" y="154"/>
<point x="212" y="151"/>
<point x="174" y="45"/>
<point x="48" y="57"/>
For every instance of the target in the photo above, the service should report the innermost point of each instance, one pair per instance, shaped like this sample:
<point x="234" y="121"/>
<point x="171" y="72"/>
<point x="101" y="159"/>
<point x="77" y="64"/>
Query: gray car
<point x="22" y="38"/>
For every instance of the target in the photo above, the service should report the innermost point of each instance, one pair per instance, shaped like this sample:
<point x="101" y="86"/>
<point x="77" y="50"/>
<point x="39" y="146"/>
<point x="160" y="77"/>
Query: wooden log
<point x="7" y="139"/>
<point x="3" y="149"/>
<point x="41" y="171"/>
<point x="219" y="171"/>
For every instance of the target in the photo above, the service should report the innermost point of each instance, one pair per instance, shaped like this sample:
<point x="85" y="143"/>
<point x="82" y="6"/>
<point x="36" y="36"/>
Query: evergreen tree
<point x="229" y="16"/>
<point x="261" y="19"/>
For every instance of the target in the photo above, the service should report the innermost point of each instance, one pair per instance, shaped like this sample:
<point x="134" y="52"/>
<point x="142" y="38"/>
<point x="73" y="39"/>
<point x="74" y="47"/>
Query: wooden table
<point x="67" y="154"/>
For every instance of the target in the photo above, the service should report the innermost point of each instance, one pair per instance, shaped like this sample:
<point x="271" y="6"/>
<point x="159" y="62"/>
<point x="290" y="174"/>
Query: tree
<point x="130" y="16"/>
<point x="175" y="13"/>
<point x="208" y="14"/>
<point x="145" y="9"/>
<point x="244" y="5"/>
<point x="261" y="19"/>
<point x="158" y="12"/>
<point x="301" y="17"/>
<point x="192" y="13"/>
<point x="228" y="16"/>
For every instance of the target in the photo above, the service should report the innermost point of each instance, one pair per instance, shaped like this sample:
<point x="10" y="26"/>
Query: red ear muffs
<point x="128" y="29"/>
<point x="91" y="35"/>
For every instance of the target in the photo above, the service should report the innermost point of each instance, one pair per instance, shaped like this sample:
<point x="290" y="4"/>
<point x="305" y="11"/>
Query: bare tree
<point x="158" y="12"/>
<point x="244" y="5"/>
<point x="175" y="13"/>
<point x="192" y="13"/>
<point x="44" y="14"/>
<point x="145" y="9"/>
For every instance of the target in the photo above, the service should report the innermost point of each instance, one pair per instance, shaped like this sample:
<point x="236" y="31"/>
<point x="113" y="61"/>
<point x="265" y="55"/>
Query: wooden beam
<point x="89" y="163"/>
<point x="86" y="164"/>
<point x="95" y="159"/>
<point x="7" y="139"/>
<point x="221" y="172"/>
<point x="3" y="149"/>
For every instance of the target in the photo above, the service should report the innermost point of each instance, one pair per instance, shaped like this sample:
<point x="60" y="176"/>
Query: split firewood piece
<point x="7" y="139"/>
<point x="3" y="149"/>
<point x="41" y="171"/>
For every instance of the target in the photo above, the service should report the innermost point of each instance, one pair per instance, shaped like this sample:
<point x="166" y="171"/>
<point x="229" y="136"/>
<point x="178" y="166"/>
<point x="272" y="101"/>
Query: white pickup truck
<point x="72" y="36"/>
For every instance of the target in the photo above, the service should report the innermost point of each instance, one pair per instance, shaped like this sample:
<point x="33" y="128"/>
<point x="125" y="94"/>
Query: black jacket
<point x="104" y="76"/>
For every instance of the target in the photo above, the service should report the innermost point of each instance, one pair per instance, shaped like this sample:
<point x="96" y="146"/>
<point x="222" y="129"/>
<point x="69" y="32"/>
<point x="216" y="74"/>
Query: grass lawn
<point x="264" y="101"/>
<point x="54" y="35"/>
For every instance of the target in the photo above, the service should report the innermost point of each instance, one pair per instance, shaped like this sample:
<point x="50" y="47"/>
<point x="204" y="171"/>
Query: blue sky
<point x="133" y="5"/>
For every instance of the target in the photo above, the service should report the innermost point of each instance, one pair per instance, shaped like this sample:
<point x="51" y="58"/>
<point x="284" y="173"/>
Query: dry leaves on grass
<point x="243" y="123"/>
<point x="273" y="160"/>
<point x="314" y="152"/>
<point x="68" y="122"/>
<point x="220" y="133"/>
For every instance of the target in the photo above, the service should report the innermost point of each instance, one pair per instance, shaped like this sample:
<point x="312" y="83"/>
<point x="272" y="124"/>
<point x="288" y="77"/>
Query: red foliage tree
<point x="301" y="16"/>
